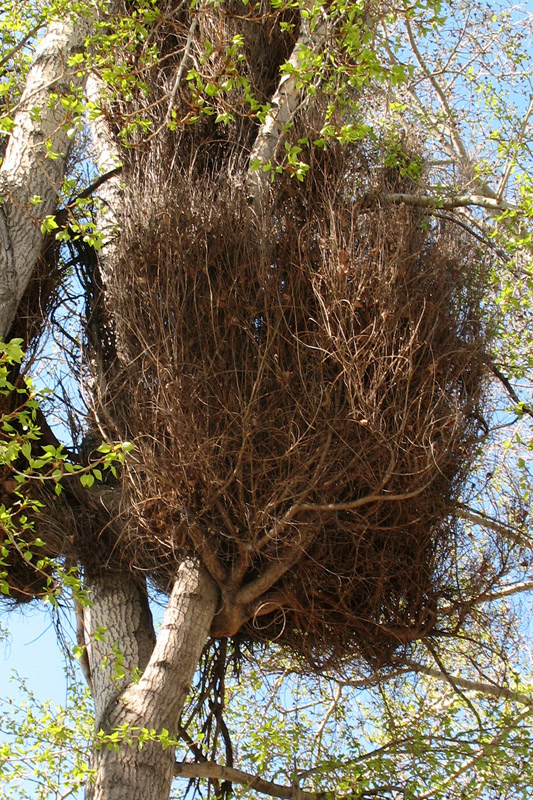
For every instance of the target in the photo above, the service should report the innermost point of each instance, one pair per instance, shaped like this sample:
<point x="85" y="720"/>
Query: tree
<point x="286" y="309"/>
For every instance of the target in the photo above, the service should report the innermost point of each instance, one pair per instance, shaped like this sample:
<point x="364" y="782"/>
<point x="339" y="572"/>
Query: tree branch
<point x="181" y="69"/>
<point x="94" y="186"/>
<point x="207" y="553"/>
<point x="447" y="203"/>
<point x="28" y="171"/>
<point x="507" y="591"/>
<point x="283" y="106"/>
<point x="479" y="518"/>
<point x="363" y="501"/>
<point x="482" y="237"/>
<point x="210" y="769"/>
<point x="184" y="629"/>
<point x="32" y="33"/>
<point x="458" y="148"/>
<point x="252" y="591"/>
<point x="475" y="686"/>
<point x="510" y="391"/>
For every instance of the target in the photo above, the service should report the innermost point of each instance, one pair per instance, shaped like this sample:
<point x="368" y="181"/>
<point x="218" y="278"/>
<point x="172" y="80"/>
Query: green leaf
<point x="49" y="224"/>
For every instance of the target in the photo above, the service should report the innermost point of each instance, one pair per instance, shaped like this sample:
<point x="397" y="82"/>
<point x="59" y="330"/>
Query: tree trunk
<point x="34" y="163"/>
<point x="155" y="702"/>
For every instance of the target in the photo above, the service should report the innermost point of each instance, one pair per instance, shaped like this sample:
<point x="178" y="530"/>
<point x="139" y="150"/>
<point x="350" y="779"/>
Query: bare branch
<point x="447" y="203"/>
<point x="480" y="518"/>
<point x="459" y="149"/>
<point x="181" y="69"/>
<point x="510" y="390"/>
<point x="209" y="769"/>
<point x="283" y="105"/>
<point x="363" y="501"/>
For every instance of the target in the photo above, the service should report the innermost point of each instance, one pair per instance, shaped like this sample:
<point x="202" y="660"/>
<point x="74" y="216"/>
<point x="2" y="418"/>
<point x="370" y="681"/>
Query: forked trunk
<point x="155" y="701"/>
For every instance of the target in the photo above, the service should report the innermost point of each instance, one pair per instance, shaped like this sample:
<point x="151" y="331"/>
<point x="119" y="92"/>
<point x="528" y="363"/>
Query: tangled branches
<point x="303" y="402"/>
<point x="301" y="377"/>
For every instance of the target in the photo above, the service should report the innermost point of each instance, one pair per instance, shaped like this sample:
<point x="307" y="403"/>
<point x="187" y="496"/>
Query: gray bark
<point x="120" y="606"/>
<point x="156" y="701"/>
<point x="283" y="106"/>
<point x="108" y="158"/>
<point x="27" y="170"/>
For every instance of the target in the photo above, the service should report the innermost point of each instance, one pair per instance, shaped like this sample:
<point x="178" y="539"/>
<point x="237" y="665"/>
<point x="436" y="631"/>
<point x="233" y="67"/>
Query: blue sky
<point x="32" y="648"/>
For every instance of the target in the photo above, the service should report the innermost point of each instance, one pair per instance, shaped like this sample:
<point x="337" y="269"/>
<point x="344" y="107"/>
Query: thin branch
<point x="447" y="203"/>
<point x="337" y="692"/>
<point x="483" y="238"/>
<point x="209" y="769"/>
<point x="278" y="526"/>
<point x="480" y="518"/>
<point x="457" y="142"/>
<point x="181" y="69"/>
<point x="475" y="686"/>
<point x="94" y="186"/>
<point x="195" y="749"/>
<point x="283" y="105"/>
<point x="362" y="501"/>
<point x="68" y="794"/>
<point x="453" y="683"/>
<point x="510" y="390"/>
<point x="24" y="41"/>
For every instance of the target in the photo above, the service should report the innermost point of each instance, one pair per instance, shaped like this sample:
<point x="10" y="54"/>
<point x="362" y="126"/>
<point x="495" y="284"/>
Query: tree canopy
<point x="272" y="261"/>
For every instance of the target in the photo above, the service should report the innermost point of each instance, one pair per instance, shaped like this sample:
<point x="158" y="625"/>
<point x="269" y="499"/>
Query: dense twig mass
<point x="301" y="376"/>
<point x="301" y="379"/>
<point x="303" y="403"/>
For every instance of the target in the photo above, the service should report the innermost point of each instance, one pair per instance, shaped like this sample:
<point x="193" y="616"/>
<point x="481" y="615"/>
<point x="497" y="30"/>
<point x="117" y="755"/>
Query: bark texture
<point x="107" y="158"/>
<point x="27" y="170"/>
<point x="283" y="106"/>
<point x="156" y="701"/>
<point x="120" y="606"/>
